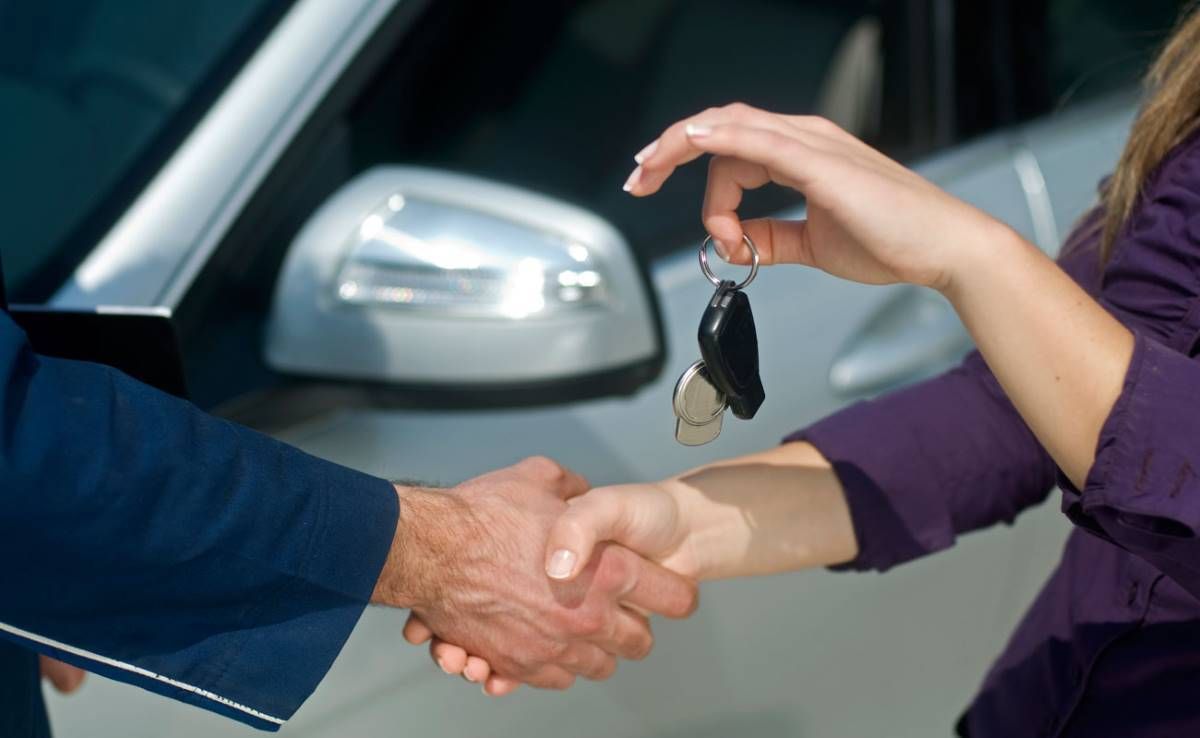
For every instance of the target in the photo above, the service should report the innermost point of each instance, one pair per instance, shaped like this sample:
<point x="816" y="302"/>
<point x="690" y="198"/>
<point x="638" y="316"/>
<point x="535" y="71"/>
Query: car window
<point x="1019" y="60"/>
<point x="560" y="100"/>
<point x="96" y="93"/>
<point x="1098" y="46"/>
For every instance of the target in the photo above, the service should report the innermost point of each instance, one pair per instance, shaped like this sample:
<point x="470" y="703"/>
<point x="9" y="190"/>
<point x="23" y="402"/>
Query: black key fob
<point x="729" y="347"/>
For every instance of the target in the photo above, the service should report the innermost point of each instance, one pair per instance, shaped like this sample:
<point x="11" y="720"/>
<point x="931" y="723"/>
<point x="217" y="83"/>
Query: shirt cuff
<point x="869" y="449"/>
<point x="291" y="639"/>
<point x="1142" y="492"/>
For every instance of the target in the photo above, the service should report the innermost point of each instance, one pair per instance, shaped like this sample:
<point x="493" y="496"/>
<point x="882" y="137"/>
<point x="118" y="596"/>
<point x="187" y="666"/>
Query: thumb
<point x="598" y="515"/>
<point x="778" y="242"/>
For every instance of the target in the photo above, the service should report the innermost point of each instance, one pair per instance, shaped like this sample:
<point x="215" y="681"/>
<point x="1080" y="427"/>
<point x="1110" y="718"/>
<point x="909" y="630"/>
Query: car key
<point x="729" y="341"/>
<point x="699" y="407"/>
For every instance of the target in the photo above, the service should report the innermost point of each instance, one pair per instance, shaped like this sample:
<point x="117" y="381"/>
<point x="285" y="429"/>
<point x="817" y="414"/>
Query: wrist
<point x="422" y="548"/>
<point x="706" y="532"/>
<point x="995" y="248"/>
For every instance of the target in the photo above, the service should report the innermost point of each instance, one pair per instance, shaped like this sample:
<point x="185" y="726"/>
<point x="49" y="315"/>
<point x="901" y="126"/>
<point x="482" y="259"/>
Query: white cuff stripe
<point x="139" y="671"/>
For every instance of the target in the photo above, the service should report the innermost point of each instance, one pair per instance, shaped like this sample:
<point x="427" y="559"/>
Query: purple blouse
<point x="1111" y="645"/>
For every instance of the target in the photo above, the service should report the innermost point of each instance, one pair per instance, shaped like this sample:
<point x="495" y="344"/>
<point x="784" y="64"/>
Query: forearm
<point x="778" y="510"/>
<point x="1060" y="357"/>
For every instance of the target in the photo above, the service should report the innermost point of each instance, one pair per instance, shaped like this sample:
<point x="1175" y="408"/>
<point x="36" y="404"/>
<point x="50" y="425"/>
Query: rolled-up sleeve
<point x="1142" y="493"/>
<point x="927" y="463"/>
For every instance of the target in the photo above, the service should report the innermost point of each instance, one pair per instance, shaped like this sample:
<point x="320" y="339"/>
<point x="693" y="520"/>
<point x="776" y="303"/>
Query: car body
<point x="805" y="654"/>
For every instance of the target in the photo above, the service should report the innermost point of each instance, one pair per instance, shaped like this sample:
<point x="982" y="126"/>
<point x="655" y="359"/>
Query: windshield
<point x="96" y="94"/>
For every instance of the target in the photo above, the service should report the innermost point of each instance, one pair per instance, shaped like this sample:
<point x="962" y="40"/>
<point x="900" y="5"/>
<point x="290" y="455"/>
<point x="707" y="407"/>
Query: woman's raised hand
<point x="869" y="218"/>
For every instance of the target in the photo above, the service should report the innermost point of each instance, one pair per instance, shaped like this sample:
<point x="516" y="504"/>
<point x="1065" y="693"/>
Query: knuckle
<point x="641" y="646"/>
<point x="588" y="623"/>
<point x="687" y="602"/>
<point x="536" y="656"/>
<point x="545" y="468"/>
<point x="607" y="668"/>
<point x="821" y="124"/>
<point x="570" y="659"/>
<point x="738" y="109"/>
<point x="556" y="651"/>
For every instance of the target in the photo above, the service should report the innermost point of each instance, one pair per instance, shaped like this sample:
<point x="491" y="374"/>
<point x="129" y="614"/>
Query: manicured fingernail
<point x="633" y="179"/>
<point x="721" y="250"/>
<point x="562" y="562"/>
<point x="443" y="665"/>
<point x="694" y="130"/>
<point x="646" y="152"/>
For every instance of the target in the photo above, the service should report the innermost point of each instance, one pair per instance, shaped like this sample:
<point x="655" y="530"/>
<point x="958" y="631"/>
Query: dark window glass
<point x="95" y="94"/>
<point x="560" y="100"/>
<point x="1097" y="46"/>
<point x="1019" y="59"/>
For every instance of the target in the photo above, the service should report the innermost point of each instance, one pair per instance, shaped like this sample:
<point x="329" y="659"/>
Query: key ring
<point x="713" y="278"/>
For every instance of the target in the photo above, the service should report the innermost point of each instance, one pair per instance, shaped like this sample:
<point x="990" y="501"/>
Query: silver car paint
<point x="805" y="654"/>
<point x="312" y="332"/>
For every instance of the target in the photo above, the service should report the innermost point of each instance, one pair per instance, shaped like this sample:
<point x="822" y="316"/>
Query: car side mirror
<point x="426" y="278"/>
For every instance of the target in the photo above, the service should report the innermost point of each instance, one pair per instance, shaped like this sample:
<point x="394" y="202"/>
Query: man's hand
<point x="65" y="678"/>
<point x="470" y="563"/>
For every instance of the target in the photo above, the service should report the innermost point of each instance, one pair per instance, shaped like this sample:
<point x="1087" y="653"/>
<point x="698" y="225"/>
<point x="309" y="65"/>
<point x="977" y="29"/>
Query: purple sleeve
<point x="922" y="465"/>
<point x="1142" y="492"/>
<point x="947" y="456"/>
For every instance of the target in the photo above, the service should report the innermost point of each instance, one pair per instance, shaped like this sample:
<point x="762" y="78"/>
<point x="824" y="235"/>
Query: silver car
<point x="392" y="233"/>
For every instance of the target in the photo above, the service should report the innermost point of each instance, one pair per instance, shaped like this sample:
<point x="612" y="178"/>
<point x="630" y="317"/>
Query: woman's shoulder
<point x="1153" y="279"/>
<point x="1173" y="187"/>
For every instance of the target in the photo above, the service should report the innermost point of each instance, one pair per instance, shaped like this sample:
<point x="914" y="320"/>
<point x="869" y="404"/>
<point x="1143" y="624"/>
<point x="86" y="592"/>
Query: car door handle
<point x="913" y="335"/>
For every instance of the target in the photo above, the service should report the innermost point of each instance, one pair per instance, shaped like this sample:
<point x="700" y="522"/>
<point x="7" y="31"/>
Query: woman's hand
<point x="644" y="517"/>
<point x="778" y="510"/>
<point x="869" y="218"/>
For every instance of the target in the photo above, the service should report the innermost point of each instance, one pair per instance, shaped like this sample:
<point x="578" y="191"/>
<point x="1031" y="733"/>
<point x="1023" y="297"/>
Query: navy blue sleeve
<point x="155" y="544"/>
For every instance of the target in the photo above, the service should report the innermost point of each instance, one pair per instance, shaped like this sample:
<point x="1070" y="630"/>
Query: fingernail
<point x="646" y="152"/>
<point x="562" y="562"/>
<point x="483" y="688"/>
<point x="721" y="250"/>
<point x="695" y="130"/>
<point x="467" y="676"/>
<point x="633" y="179"/>
<point x="442" y="664"/>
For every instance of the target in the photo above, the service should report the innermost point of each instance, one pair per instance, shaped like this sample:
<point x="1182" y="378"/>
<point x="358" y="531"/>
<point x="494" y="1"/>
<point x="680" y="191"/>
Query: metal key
<point x="729" y="341"/>
<point x="699" y="407"/>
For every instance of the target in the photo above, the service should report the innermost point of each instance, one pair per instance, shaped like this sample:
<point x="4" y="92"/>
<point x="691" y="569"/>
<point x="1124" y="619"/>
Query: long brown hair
<point x="1170" y="114"/>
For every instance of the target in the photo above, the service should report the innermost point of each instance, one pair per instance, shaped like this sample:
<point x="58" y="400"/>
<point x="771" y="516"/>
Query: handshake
<point x="517" y="568"/>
